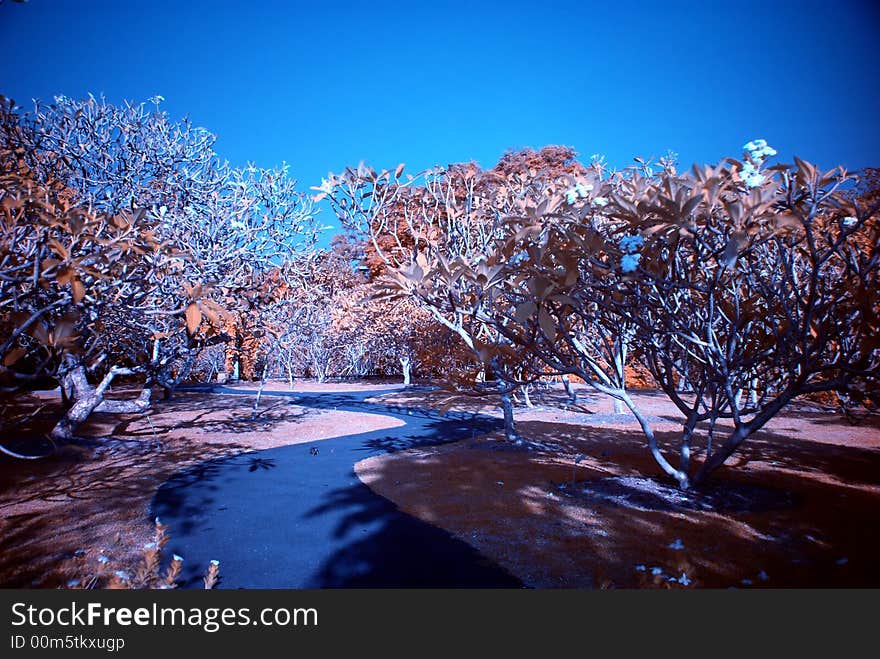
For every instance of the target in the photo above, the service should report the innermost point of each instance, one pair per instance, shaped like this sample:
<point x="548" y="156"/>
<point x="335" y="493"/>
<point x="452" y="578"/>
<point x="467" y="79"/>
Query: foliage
<point x="738" y="287"/>
<point x="88" y="570"/>
<point x="130" y="245"/>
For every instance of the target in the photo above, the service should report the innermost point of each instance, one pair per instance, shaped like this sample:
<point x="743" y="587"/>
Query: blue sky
<point x="324" y="85"/>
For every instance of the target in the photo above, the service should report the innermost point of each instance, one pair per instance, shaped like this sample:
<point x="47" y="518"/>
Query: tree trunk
<point x="139" y="404"/>
<point x="572" y="394"/>
<point x="88" y="399"/>
<point x="509" y="423"/>
<point x="680" y="477"/>
<point x="527" y="397"/>
<point x="738" y="436"/>
<point x="720" y="456"/>
<point x="619" y="406"/>
<point x="406" y="364"/>
<point x="260" y="392"/>
<point x="65" y="396"/>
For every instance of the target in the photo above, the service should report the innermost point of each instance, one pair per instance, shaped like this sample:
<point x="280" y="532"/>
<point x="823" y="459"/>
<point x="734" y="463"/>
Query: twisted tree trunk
<point x="88" y="399"/>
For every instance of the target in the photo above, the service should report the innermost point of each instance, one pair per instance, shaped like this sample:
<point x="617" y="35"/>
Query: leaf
<point x="58" y="248"/>
<point x="193" y="318"/>
<point x="524" y="311"/>
<point x="14" y="355"/>
<point x="65" y="276"/>
<point x="691" y="205"/>
<point x="78" y="290"/>
<point x="547" y="325"/>
<point x="731" y="250"/>
<point x="786" y="221"/>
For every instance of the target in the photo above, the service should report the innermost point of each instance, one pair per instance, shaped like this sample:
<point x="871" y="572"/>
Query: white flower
<point x="849" y="221"/>
<point x="753" y="180"/>
<point x="150" y="546"/>
<point x="759" y="149"/>
<point x="156" y="99"/>
<point x="582" y="189"/>
<point x="677" y="544"/>
<point x="178" y="559"/>
<point x="750" y="175"/>
<point x="656" y="571"/>
<point x="640" y="568"/>
<point x="629" y="262"/>
<point x="121" y="574"/>
<point x="683" y="580"/>
<point x="103" y="559"/>
<point x="631" y="244"/>
<point x="600" y="201"/>
<point x="571" y="196"/>
<point x="326" y="186"/>
<point x="215" y="563"/>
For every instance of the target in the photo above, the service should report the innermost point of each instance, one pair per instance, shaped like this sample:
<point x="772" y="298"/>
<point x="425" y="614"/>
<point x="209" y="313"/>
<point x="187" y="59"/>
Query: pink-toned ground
<point x="311" y="386"/>
<point x="800" y="506"/>
<point x="95" y="495"/>
<point x="581" y="507"/>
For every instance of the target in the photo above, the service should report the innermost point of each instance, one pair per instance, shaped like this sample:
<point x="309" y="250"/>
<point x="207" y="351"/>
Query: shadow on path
<point x="298" y="517"/>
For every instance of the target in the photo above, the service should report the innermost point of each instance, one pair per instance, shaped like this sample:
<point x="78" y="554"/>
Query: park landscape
<point x="545" y="373"/>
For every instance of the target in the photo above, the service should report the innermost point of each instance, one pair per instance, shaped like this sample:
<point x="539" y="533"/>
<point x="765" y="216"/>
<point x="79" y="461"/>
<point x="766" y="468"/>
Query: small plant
<point x="90" y="572"/>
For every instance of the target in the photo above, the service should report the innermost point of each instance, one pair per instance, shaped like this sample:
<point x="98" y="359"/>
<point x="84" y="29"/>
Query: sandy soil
<point x="95" y="496"/>
<point x="581" y="506"/>
<point x="311" y="386"/>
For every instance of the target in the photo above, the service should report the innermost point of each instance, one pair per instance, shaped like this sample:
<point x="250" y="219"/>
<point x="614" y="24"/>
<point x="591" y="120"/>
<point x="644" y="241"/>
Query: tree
<point x="449" y="216"/>
<point x="738" y="278"/>
<point x="221" y="228"/>
<point x="65" y="269"/>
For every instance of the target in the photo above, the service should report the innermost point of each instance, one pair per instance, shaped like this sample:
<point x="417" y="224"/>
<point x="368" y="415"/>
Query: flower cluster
<point x="756" y="150"/>
<point x="751" y="176"/>
<point x="579" y="190"/>
<point x="759" y="149"/>
<point x="630" y="246"/>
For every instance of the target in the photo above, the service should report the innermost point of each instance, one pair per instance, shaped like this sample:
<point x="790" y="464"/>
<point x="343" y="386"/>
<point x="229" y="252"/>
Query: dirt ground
<point x="583" y="505"/>
<point x="92" y="499"/>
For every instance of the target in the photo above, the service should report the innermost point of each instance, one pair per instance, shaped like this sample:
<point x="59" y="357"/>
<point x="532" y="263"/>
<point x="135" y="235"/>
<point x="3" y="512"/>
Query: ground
<point x="580" y="505"/>
<point x="94" y="496"/>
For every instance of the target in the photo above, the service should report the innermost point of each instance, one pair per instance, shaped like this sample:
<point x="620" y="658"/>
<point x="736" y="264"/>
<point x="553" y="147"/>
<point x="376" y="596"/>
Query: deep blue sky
<point x="322" y="85"/>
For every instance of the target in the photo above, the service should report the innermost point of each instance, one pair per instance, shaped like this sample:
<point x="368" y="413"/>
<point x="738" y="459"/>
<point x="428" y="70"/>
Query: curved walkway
<point x="298" y="517"/>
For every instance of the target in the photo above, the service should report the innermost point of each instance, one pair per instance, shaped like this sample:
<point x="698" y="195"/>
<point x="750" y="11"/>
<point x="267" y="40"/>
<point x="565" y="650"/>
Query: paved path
<point x="286" y="518"/>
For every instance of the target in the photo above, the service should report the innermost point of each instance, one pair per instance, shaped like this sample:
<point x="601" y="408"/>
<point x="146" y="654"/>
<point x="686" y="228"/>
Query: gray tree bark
<point x="88" y="399"/>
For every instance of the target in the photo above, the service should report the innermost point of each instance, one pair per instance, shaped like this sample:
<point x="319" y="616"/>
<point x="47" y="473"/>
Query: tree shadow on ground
<point x="590" y="509"/>
<point x="309" y="523"/>
<point x="397" y="550"/>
